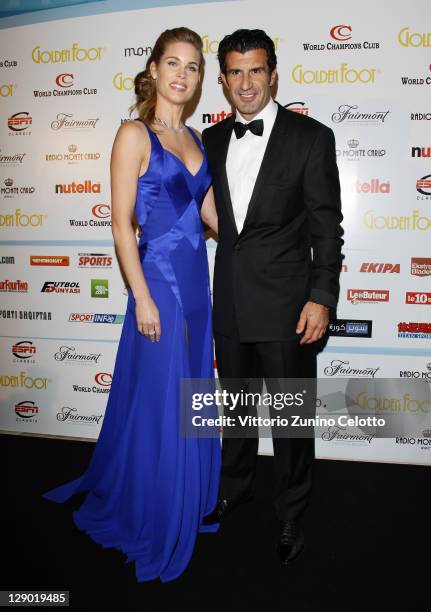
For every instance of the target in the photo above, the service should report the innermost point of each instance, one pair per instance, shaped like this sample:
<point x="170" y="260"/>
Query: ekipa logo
<point x="104" y="379"/>
<point x="26" y="409"/>
<point x="19" y="121"/>
<point x="297" y="107"/>
<point x="65" y="79"/>
<point x="341" y="32"/>
<point x="101" y="211"/>
<point x="380" y="268"/>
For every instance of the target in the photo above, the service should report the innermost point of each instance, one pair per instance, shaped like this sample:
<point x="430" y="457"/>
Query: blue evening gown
<point x="149" y="486"/>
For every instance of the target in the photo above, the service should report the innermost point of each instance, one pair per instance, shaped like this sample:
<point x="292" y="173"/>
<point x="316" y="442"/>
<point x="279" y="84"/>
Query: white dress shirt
<point x="244" y="159"/>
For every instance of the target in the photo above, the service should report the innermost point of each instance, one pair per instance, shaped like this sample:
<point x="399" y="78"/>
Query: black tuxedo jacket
<point x="289" y="250"/>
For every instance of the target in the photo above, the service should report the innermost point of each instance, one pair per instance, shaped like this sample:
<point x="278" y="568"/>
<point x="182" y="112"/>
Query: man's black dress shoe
<point x="291" y="542"/>
<point x="222" y="509"/>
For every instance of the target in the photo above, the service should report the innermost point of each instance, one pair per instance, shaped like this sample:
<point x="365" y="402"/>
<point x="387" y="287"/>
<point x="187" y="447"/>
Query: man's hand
<point x="314" y="320"/>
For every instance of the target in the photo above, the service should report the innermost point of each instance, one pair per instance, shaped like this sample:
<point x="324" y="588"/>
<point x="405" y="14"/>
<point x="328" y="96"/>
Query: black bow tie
<point x="255" y="127"/>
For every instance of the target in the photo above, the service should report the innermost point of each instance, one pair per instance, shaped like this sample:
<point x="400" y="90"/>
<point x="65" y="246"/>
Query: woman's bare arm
<point x="130" y="152"/>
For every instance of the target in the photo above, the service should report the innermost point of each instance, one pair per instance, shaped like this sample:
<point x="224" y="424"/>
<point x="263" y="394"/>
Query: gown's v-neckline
<point x="180" y="160"/>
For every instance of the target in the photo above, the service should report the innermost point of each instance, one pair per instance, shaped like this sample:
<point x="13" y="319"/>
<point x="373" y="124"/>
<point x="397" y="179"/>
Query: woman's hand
<point x="148" y="318"/>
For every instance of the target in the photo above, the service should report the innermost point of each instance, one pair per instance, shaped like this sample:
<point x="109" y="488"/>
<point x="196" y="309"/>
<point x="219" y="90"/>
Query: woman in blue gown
<point x="148" y="485"/>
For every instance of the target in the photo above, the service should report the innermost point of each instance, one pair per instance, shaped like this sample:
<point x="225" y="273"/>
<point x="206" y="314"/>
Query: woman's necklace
<point x="169" y="127"/>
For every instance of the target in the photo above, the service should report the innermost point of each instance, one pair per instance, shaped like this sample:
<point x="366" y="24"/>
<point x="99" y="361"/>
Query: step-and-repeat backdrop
<point x="66" y="86"/>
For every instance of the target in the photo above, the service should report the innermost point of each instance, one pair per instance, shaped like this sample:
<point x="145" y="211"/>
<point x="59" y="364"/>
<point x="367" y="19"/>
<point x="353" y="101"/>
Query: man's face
<point x="249" y="81"/>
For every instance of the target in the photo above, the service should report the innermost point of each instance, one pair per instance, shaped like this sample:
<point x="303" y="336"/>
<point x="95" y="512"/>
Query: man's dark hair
<point x="247" y="40"/>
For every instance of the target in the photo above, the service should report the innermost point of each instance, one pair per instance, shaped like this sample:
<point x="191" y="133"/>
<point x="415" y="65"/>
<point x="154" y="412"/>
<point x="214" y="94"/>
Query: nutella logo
<point x="420" y="266"/>
<point x="373" y="186"/>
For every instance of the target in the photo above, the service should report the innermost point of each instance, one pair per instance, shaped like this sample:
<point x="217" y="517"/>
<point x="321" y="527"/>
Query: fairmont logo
<point x="11" y="159"/>
<point x="380" y="268"/>
<point x="342" y="368"/>
<point x="355" y="296"/>
<point x="373" y="186"/>
<point x="86" y="187"/>
<point x="71" y="415"/>
<point x="66" y="122"/>
<point x="347" y="113"/>
<point x="68" y="354"/>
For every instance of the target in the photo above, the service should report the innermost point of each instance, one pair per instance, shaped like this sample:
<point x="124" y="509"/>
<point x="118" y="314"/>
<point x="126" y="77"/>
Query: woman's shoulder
<point x="133" y="133"/>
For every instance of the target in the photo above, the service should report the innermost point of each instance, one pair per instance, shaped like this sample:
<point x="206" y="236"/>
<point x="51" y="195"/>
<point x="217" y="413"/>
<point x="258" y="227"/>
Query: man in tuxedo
<point x="277" y="263"/>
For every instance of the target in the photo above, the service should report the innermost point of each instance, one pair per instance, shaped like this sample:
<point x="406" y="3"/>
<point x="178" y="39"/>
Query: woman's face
<point x="177" y="73"/>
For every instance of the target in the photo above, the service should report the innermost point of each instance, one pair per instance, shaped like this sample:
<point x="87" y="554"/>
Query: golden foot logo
<point x="64" y="56"/>
<point x="342" y="75"/>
